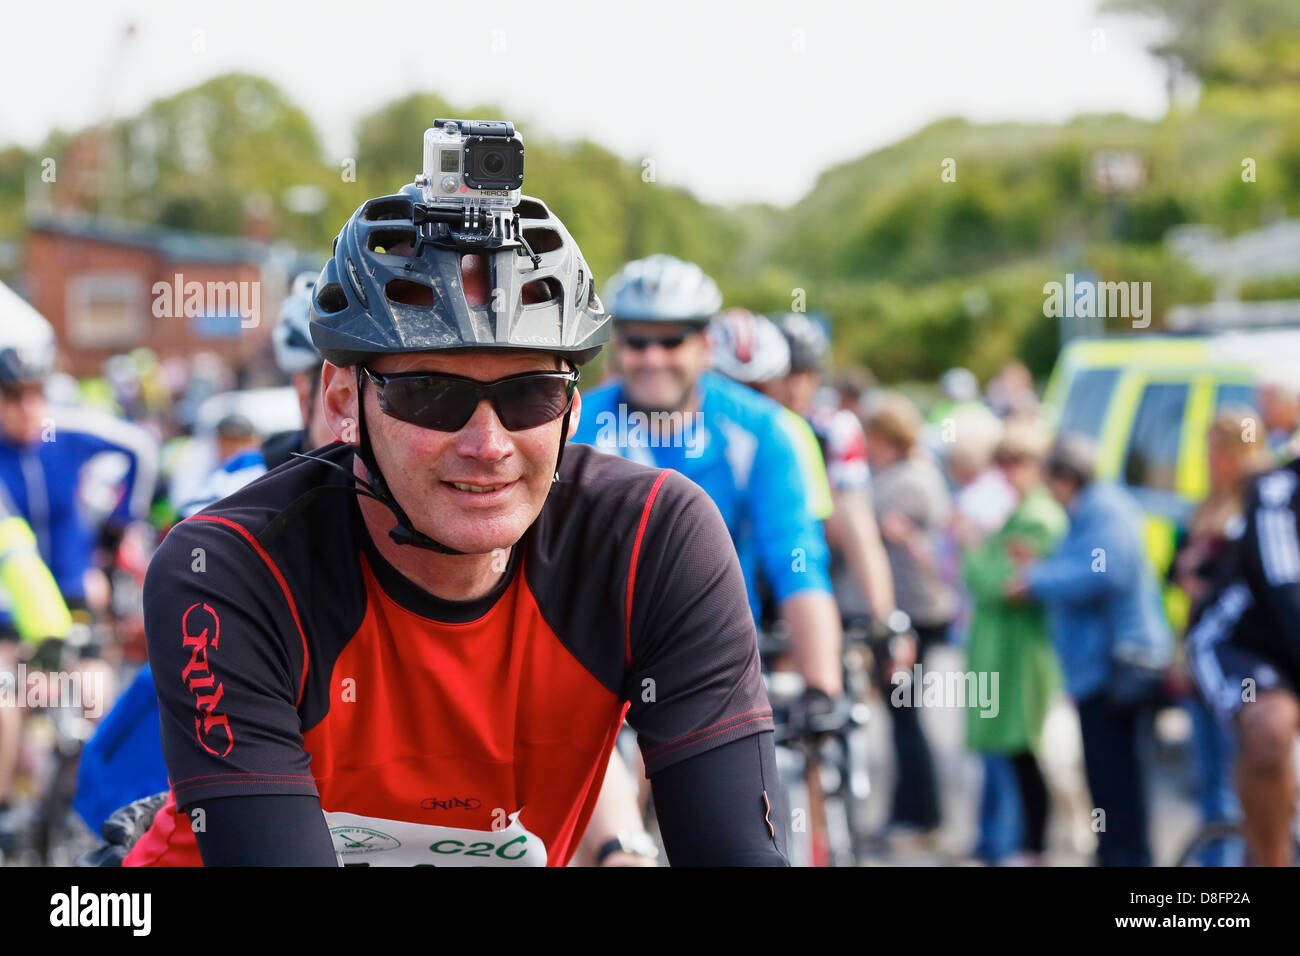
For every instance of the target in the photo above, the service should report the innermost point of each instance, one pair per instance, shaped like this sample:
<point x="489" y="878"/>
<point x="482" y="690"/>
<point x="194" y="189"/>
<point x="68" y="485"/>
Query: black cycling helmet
<point x="370" y="302"/>
<point x="807" y="339"/>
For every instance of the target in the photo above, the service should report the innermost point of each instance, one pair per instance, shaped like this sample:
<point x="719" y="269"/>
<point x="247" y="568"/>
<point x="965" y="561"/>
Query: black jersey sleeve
<point x="228" y="657"/>
<point x="264" y="830"/>
<point x="693" y="678"/>
<point x="1270" y="556"/>
<point x="720" y="807"/>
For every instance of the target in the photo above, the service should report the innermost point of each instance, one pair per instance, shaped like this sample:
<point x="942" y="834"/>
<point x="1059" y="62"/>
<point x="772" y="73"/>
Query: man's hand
<point x="47" y="655"/>
<point x="1016" y="589"/>
<point x="896" y="527"/>
<point x="1020" y="552"/>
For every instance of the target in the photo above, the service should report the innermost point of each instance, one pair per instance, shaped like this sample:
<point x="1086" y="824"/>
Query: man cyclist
<point x="38" y="615"/>
<point x="434" y="672"/>
<point x="734" y="443"/>
<point x="1245" y="655"/>
<point x="123" y="761"/>
<point x="51" y="460"/>
<point x="33" y="611"/>
<point x="864" y="583"/>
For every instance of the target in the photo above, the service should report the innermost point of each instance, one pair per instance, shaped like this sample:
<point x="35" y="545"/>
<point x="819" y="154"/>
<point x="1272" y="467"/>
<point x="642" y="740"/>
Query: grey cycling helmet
<point x="807" y="339"/>
<point x="294" y="351"/>
<point x="748" y="347"/>
<point x="369" y="301"/>
<point x="394" y="286"/>
<point x="27" y="344"/>
<point x="662" y="288"/>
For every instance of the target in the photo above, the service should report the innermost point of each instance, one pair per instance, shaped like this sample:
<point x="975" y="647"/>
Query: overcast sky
<point x="736" y="100"/>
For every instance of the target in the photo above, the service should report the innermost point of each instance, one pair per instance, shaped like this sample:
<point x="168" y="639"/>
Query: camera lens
<point x="494" y="163"/>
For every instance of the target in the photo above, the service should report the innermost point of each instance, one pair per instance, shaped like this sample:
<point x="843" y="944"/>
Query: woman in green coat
<point x="1009" y="638"/>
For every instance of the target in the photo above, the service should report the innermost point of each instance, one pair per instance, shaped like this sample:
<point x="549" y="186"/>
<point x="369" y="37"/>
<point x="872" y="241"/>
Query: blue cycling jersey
<point x="740" y="451"/>
<point x="231" y="475"/>
<point x="123" y="761"/>
<point x="51" y="487"/>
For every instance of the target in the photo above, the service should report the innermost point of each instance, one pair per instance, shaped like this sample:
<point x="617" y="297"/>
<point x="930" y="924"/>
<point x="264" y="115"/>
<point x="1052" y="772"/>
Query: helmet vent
<point x="408" y="293"/>
<point x="531" y="209"/>
<point x="331" y="298"/>
<point x="541" y="239"/>
<point x="393" y="207"/>
<point x="542" y="290"/>
<point x="384" y="239"/>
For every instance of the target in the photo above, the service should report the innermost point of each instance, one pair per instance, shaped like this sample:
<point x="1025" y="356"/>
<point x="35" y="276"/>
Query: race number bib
<point x="374" y="841"/>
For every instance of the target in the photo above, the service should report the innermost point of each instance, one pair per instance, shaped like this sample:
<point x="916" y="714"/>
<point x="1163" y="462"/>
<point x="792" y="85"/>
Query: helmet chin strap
<point x="405" y="532"/>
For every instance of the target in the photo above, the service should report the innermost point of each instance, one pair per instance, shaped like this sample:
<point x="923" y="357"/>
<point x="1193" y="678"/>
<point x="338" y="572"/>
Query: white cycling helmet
<point x="27" y="343"/>
<point x="747" y="347"/>
<point x="294" y="351"/>
<point x="662" y="288"/>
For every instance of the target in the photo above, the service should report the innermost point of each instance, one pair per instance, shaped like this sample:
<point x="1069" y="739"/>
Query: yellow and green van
<point x="1147" y="401"/>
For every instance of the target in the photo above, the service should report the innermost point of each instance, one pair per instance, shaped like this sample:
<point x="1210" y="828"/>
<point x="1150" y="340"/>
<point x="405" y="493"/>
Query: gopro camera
<point x="471" y="183"/>
<point x="472" y="163"/>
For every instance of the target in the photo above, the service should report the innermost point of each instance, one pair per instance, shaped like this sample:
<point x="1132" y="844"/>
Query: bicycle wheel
<point x="1215" y="844"/>
<point x="837" y="811"/>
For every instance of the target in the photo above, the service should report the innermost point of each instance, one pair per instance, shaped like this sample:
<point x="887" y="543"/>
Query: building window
<point x="107" y="311"/>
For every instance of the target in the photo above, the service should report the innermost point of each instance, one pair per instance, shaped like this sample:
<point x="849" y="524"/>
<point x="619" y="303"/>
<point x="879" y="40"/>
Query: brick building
<point x="109" y="287"/>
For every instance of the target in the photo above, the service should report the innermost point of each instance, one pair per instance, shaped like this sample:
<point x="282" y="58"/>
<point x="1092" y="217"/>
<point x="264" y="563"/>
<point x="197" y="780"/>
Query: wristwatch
<point x="636" y="842"/>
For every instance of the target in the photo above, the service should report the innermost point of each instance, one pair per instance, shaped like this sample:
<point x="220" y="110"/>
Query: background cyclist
<point x="734" y="443"/>
<point x="864" y="584"/>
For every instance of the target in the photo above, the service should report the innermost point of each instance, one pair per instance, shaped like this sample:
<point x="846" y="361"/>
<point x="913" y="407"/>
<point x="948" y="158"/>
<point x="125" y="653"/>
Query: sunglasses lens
<point x="447" y="405"/>
<point x="528" y="403"/>
<point x="640" y="343"/>
<point x="430" y="402"/>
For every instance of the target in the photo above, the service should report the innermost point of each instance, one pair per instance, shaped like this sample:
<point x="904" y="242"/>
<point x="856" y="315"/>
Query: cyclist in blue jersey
<point x="669" y="410"/>
<point x="67" y="471"/>
<point x="123" y="761"/>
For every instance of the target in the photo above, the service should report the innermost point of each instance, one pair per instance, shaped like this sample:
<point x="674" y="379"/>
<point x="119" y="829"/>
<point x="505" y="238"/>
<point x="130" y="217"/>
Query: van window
<point x="1087" y="401"/>
<point x="1234" y="395"/>
<point x="1152" y="460"/>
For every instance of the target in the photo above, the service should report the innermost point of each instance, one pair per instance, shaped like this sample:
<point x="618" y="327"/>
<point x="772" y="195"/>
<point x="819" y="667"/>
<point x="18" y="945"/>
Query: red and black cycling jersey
<point x="448" y="733"/>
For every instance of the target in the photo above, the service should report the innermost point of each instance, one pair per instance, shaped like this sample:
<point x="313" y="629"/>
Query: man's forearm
<point x="617" y="809"/>
<point x="813" y="622"/>
<point x="864" y="553"/>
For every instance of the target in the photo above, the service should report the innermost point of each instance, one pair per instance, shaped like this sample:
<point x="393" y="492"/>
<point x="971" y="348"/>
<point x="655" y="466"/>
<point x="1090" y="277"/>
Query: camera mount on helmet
<point x="471" y="185"/>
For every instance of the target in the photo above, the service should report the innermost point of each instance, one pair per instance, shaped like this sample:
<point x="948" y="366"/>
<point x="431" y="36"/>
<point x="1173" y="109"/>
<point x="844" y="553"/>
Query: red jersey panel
<point x="433" y="732"/>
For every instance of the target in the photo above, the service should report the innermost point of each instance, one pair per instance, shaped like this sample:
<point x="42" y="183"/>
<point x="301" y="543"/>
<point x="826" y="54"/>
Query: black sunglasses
<point x="640" y="343"/>
<point x="446" y="403"/>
